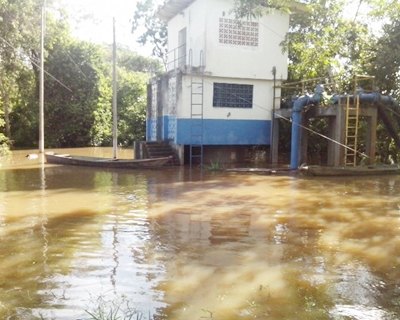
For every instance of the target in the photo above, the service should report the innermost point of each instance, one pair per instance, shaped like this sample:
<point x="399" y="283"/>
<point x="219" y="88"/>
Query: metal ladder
<point x="196" y="112"/>
<point x="351" y="131"/>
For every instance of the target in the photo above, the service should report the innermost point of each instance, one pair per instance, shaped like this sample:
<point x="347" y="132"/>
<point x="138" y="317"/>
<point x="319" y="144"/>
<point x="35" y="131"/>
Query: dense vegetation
<point x="78" y="88"/>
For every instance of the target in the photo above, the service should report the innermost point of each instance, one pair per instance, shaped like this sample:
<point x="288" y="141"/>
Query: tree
<point x="386" y="63"/>
<point x="18" y="35"/>
<point x="155" y="29"/>
<point x="134" y="72"/>
<point x="137" y="63"/>
<point x="132" y="103"/>
<point x="3" y="138"/>
<point x="254" y="8"/>
<point x="24" y="115"/>
<point x="78" y="104"/>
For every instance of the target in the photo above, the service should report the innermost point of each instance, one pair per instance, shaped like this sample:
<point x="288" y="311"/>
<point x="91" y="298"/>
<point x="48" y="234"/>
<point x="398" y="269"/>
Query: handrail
<point x="177" y="59"/>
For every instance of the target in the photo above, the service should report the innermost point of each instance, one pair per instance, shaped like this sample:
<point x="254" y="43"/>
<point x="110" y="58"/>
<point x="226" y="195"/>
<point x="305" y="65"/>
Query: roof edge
<point x="171" y="8"/>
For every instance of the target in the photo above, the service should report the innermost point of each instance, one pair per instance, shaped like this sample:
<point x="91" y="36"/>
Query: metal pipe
<point x="298" y="107"/>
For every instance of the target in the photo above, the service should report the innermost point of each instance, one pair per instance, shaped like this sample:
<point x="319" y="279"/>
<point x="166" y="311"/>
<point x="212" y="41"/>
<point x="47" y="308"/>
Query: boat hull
<point x="349" y="171"/>
<point x="66" y="159"/>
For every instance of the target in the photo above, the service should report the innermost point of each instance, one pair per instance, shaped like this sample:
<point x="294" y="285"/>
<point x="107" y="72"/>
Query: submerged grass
<point x="119" y="309"/>
<point x="215" y="166"/>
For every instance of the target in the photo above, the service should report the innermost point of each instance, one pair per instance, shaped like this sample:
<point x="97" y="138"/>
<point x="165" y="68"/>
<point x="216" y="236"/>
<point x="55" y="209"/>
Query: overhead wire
<point x="300" y="125"/>
<point x="37" y="65"/>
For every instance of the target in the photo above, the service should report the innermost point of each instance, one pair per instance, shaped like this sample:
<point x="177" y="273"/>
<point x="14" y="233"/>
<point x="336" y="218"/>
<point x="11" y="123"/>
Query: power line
<point x="37" y="65"/>
<point x="304" y="127"/>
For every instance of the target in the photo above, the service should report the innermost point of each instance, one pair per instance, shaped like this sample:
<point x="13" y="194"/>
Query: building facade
<point x="218" y="89"/>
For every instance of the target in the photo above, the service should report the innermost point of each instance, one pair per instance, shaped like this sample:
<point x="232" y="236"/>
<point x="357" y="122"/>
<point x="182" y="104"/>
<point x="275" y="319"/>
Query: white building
<point x="218" y="89"/>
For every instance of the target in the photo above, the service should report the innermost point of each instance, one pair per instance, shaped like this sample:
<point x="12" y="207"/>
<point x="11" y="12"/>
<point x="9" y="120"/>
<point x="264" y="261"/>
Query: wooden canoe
<point x="349" y="171"/>
<point x="67" y="159"/>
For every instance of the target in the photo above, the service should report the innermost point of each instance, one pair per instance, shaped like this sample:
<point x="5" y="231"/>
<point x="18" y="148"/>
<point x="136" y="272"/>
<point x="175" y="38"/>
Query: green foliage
<point x="101" y="130"/>
<point x="24" y="116"/>
<point x="77" y="83"/>
<point x="253" y="8"/>
<point x="155" y="29"/>
<point x="132" y="101"/>
<point x="386" y="64"/>
<point x="77" y="104"/>
<point x="136" y="63"/>
<point x="321" y="43"/>
<point x="18" y="37"/>
<point x="4" y="148"/>
<point x="215" y="166"/>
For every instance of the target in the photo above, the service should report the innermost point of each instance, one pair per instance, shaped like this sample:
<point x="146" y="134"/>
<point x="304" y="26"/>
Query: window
<point x="230" y="95"/>
<point x="182" y="47"/>
<point x="240" y="33"/>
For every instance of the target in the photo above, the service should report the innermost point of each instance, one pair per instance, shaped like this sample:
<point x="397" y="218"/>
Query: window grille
<point x="240" y="33"/>
<point x="230" y="95"/>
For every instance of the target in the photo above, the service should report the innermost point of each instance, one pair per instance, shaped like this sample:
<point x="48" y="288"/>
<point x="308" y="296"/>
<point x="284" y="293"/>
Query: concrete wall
<point x="170" y="119"/>
<point x="202" y="21"/>
<point x="262" y="100"/>
<point x="233" y="63"/>
<point x="238" y="61"/>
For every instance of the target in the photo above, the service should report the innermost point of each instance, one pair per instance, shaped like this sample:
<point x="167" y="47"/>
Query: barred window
<point x="230" y="95"/>
<point x="241" y="33"/>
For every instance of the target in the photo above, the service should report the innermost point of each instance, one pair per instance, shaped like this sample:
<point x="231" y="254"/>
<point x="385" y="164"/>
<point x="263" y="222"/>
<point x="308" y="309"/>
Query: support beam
<point x="275" y="142"/>
<point x="331" y="145"/>
<point x="371" y="137"/>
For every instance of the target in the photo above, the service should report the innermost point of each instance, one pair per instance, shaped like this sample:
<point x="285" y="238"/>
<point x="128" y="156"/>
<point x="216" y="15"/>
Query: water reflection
<point x="222" y="247"/>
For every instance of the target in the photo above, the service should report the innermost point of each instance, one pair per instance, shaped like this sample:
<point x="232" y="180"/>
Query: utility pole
<point x="41" y="86"/>
<point x="272" y="143"/>
<point x="114" y="98"/>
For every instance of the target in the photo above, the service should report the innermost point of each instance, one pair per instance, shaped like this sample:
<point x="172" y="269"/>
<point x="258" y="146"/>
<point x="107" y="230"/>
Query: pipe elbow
<point x="300" y="103"/>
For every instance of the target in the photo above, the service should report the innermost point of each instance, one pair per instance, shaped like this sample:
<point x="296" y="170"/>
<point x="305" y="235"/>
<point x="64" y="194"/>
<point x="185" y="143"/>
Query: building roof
<point x="172" y="7"/>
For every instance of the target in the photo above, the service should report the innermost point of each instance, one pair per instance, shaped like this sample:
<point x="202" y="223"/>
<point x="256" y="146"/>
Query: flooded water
<point x="174" y="245"/>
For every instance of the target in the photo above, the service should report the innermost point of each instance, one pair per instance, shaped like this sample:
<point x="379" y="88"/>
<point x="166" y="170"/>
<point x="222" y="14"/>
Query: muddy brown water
<point x="173" y="244"/>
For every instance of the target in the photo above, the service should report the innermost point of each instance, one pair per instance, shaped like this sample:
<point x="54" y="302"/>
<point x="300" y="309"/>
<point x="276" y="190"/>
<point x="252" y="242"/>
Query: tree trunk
<point x="6" y="108"/>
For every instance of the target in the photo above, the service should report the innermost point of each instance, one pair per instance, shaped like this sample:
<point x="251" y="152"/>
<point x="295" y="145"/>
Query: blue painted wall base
<point x="215" y="131"/>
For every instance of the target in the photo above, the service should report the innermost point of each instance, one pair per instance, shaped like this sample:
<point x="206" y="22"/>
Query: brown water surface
<point x="177" y="245"/>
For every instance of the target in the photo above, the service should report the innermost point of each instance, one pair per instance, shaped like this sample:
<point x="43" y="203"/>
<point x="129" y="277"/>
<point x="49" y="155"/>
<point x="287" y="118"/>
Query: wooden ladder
<point x="351" y="131"/>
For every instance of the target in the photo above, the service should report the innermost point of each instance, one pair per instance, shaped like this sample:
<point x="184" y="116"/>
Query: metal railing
<point x="176" y="57"/>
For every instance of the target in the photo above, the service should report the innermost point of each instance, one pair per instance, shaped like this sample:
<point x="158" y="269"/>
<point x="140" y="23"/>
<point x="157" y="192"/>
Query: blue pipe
<point x="298" y="107"/>
<point x="373" y="97"/>
<point x="306" y="100"/>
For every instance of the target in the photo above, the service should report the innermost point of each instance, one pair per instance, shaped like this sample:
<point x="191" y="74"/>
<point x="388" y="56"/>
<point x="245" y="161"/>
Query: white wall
<point x="194" y="19"/>
<point x="246" y="61"/>
<point x="202" y="22"/>
<point x="262" y="100"/>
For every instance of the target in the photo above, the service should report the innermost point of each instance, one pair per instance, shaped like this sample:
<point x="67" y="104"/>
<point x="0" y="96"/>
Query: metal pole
<point x="41" y="85"/>
<point x="114" y="100"/>
<point x="271" y="146"/>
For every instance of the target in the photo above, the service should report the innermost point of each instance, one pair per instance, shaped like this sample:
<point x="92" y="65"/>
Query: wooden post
<point x="338" y="156"/>
<point x="275" y="142"/>
<point x="331" y="145"/>
<point x="304" y="141"/>
<point x="371" y="135"/>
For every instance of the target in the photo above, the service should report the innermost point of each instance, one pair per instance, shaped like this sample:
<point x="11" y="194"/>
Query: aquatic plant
<point x="118" y="309"/>
<point x="215" y="166"/>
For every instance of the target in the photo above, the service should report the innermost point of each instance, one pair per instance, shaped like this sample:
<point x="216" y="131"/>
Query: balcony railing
<point x="176" y="58"/>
